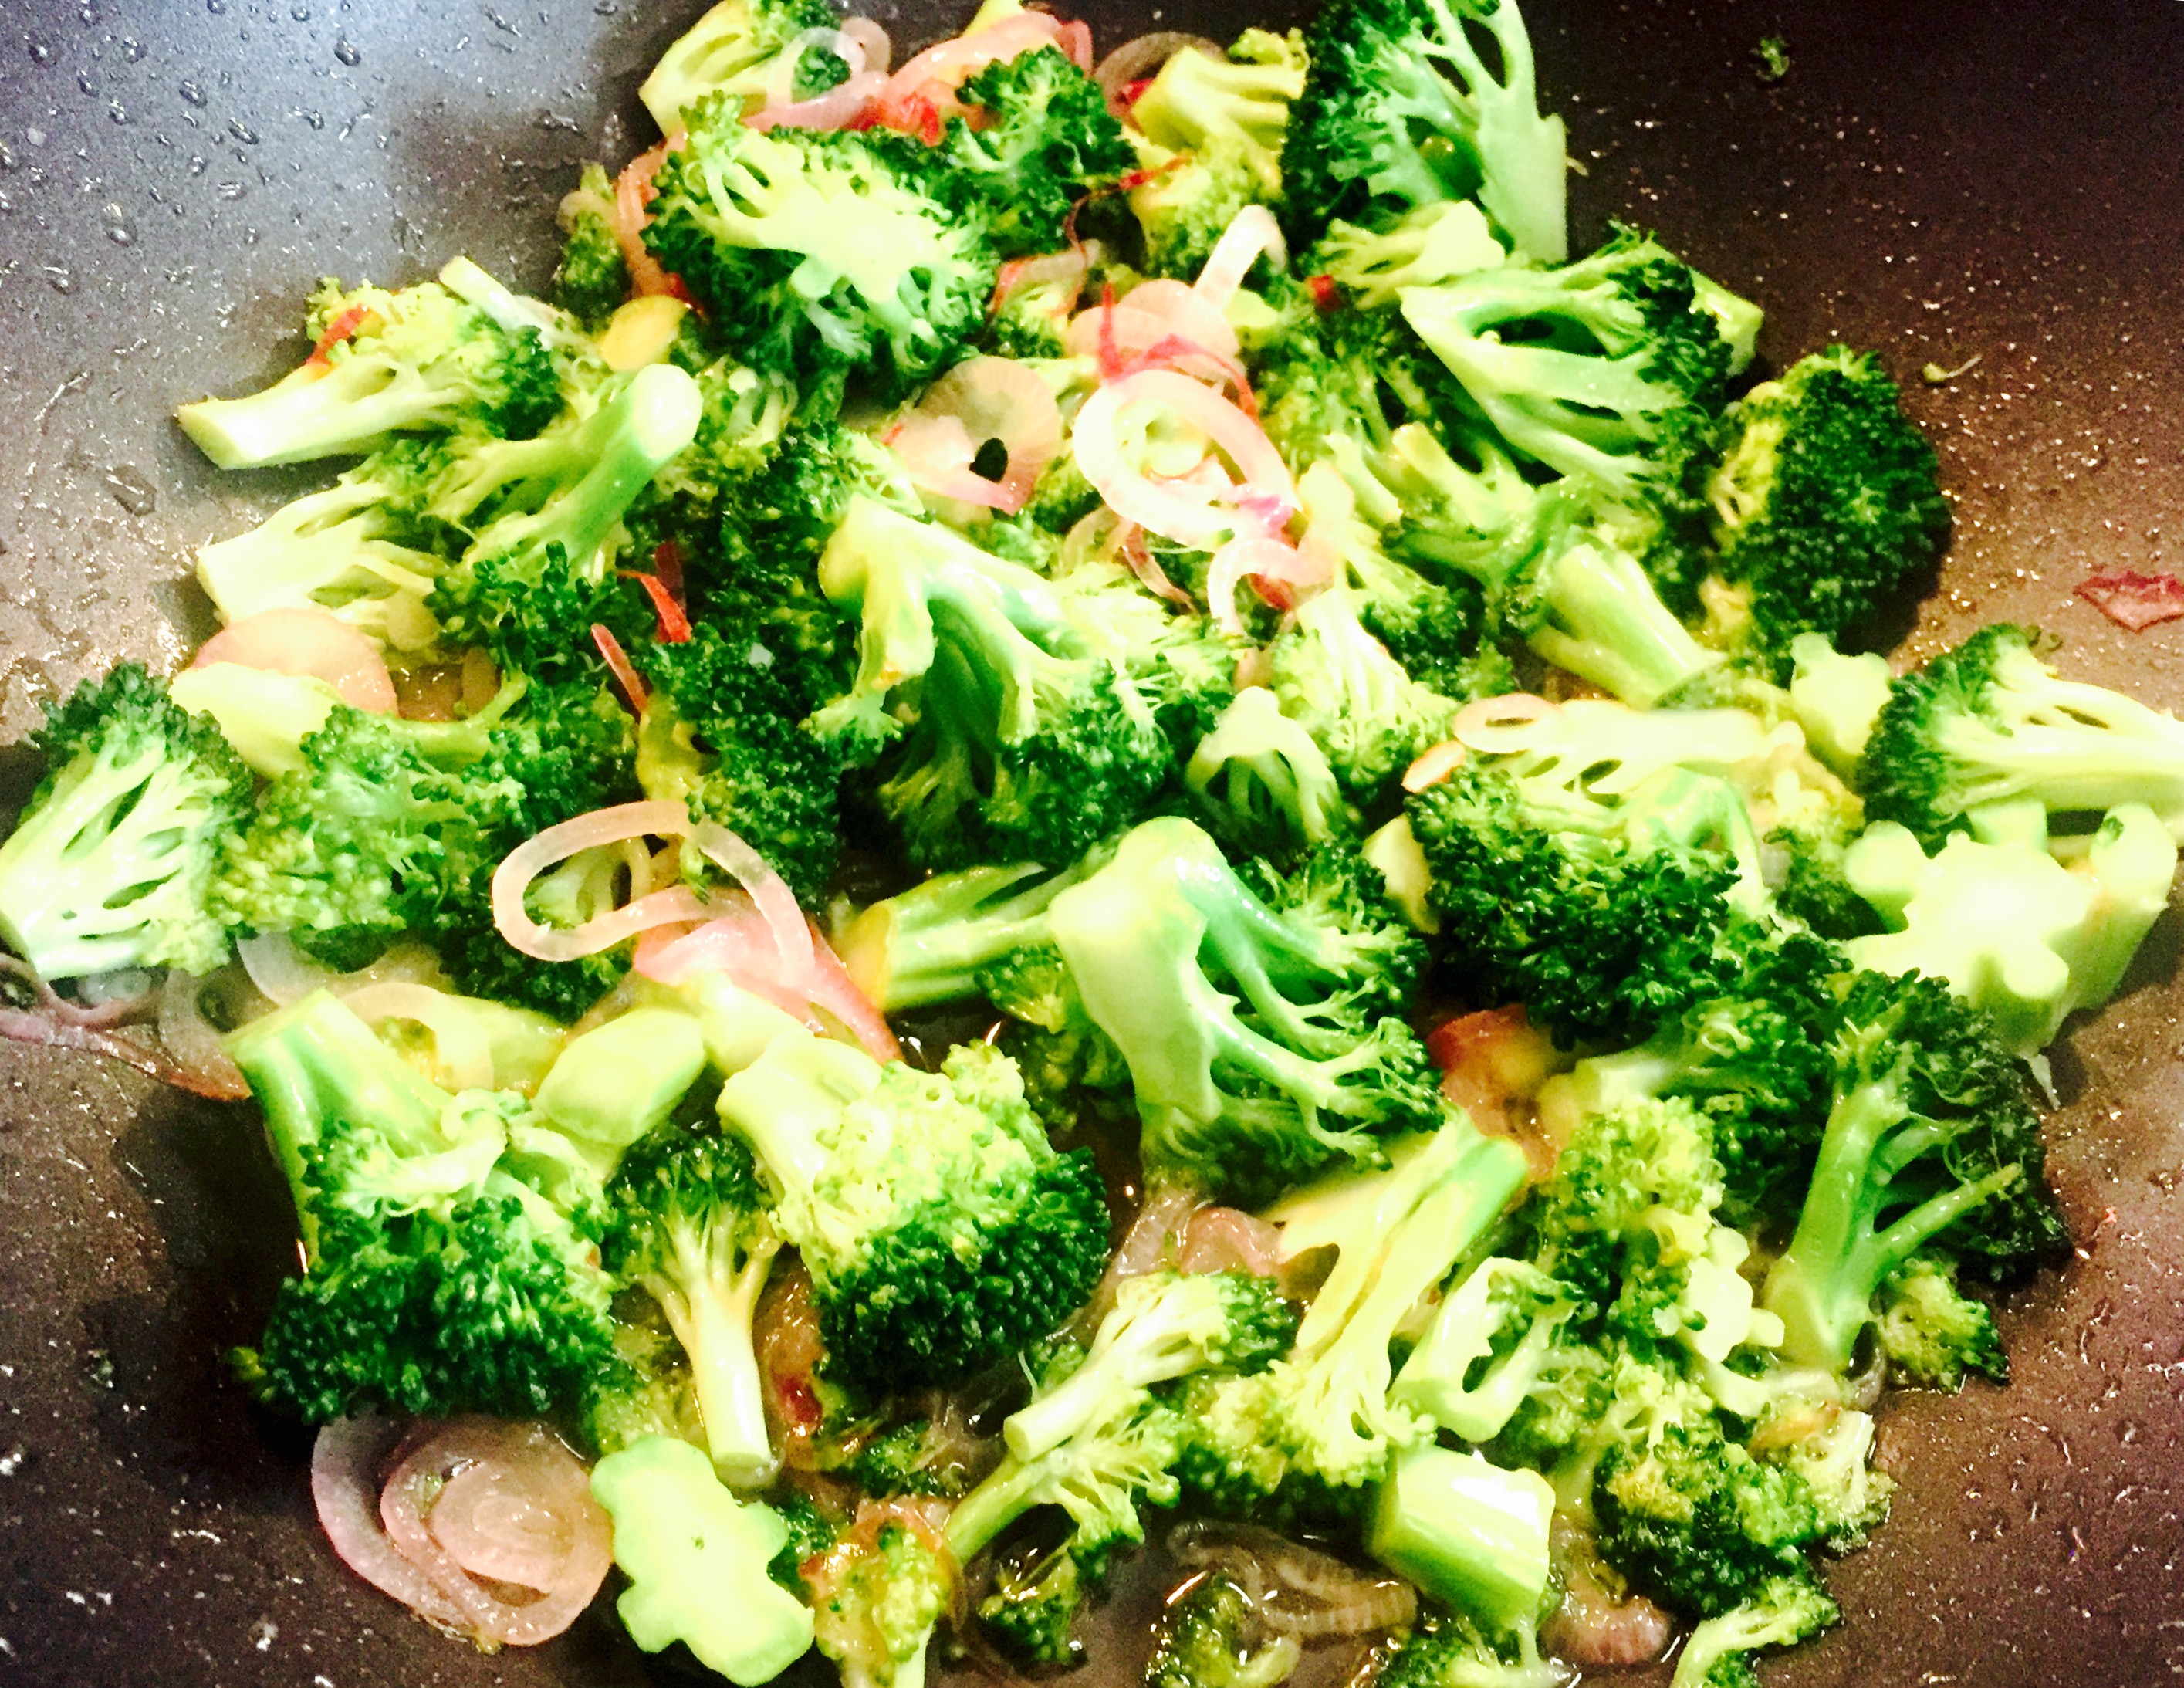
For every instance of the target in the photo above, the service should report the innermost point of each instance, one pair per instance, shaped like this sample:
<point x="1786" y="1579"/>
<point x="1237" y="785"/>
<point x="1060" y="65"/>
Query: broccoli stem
<point x="792" y="1094"/>
<point x="709" y="1305"/>
<point x="1822" y="1287"/>
<point x="1609" y="625"/>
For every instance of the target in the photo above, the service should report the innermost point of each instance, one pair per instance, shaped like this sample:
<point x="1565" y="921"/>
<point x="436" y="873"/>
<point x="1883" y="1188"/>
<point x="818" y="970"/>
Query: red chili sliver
<point x="618" y="662"/>
<point x="342" y="328"/>
<point x="674" y="625"/>
<point x="2132" y="600"/>
<point x="667" y="564"/>
<point x="1324" y="293"/>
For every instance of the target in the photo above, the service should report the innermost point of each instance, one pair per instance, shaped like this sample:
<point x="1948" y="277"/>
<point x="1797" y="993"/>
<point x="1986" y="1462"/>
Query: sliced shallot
<point x="193" y="1041"/>
<point x="1507" y="725"/>
<point x="923" y="92"/>
<point x="532" y="857"/>
<point x="980" y="399"/>
<point x="345" y="1466"/>
<point x="633" y="192"/>
<point x="1136" y="59"/>
<point x="839" y="108"/>
<point x="459" y="1043"/>
<point x="1189" y="516"/>
<point x="1252" y="233"/>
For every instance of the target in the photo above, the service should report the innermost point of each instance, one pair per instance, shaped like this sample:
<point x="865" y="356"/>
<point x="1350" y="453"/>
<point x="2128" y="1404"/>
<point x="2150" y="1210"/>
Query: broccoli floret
<point x="1836" y="699"/>
<point x="1163" y="1325"/>
<point x="1337" y="385"/>
<point x="1604" y="931"/>
<point x="941" y="1229"/>
<point x="1208" y="134"/>
<point x="1990" y="721"/>
<point x="1396" y="1232"/>
<point x="934" y="942"/>
<point x="1436" y="243"/>
<point x="1929" y="1132"/>
<point x="909" y="1459"/>
<point x="1203" y="1642"/>
<point x="1262" y="782"/>
<point x="1446" y="1649"/>
<point x="1695" y="1519"/>
<point x="1380" y="129"/>
<point x="394" y="825"/>
<point x="725" y="722"/>
<point x="1779" y="1613"/>
<point x="1607" y="367"/>
<point x="2011" y="929"/>
<point x="559" y="517"/>
<point x="689" y="1223"/>
<point x="368" y="549"/>
<point x="747" y="418"/>
<point x="450" y="1242"/>
<point x="592" y="278"/>
<point x="111" y="861"/>
<point x="1046" y="139"/>
<point x="1933" y="1334"/>
<point x="1264" y="1041"/>
<point x="1038" y="707"/>
<point x="1370" y="717"/>
<point x="697" y="1561"/>
<point x="818" y="253"/>
<point x="876" y="1594"/>
<point x="1825" y="501"/>
<point x="426" y="358"/>
<point x="1505" y="1313"/>
<point x="748" y="51"/>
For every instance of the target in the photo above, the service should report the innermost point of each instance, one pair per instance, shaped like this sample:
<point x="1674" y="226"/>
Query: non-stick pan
<point x="1988" y="180"/>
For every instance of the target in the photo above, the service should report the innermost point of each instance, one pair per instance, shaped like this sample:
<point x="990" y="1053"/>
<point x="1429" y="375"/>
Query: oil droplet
<point x="231" y="190"/>
<point x="7" y="156"/>
<point x="132" y="490"/>
<point x="118" y="228"/>
<point x="86" y="83"/>
<point x="345" y="50"/>
<point x="314" y="119"/>
<point x="117" y="111"/>
<point x="12" y="1461"/>
<point x="197" y="164"/>
<point x="132" y="49"/>
<point x="193" y="92"/>
<point x="41" y="53"/>
<point x="302" y="14"/>
<point x="605" y="9"/>
<point x="242" y="131"/>
<point x="216" y="7"/>
<point x="59" y="278"/>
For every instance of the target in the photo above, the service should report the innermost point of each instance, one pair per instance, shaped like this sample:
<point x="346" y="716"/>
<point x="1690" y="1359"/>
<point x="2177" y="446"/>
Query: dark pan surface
<point x="1935" y="181"/>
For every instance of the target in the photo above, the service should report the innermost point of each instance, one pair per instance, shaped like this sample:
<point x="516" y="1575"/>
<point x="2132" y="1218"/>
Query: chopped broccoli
<point x="1436" y="243"/>
<point x="450" y="1242"/>
<point x="1262" y="782"/>
<point x="1039" y="706"/>
<point x="1933" y="1334"/>
<point x="1506" y="1313"/>
<point x="1264" y="1041"/>
<point x="1369" y="717"/>
<point x="1606" y="366"/>
<point x="1836" y="699"/>
<point x="748" y="51"/>
<point x="1825" y="501"/>
<point x="1467" y="1531"/>
<point x="1446" y="1649"/>
<point x="941" y="1230"/>
<point x="592" y="278"/>
<point x="387" y="363"/>
<point x="689" y="1223"/>
<point x="1381" y="129"/>
<point x="1202" y="1643"/>
<point x="819" y="254"/>
<point x="696" y="1558"/>
<point x="110" y="864"/>
<point x="1208" y="134"/>
<point x="1048" y="138"/>
<point x="1930" y="1134"/>
<point x="1990" y="721"/>
<point x="932" y="943"/>
<point x="876" y="1595"/>
<point x="1778" y="1613"/>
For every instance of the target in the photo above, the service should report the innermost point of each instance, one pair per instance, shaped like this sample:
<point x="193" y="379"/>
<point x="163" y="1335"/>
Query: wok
<point x="1938" y="182"/>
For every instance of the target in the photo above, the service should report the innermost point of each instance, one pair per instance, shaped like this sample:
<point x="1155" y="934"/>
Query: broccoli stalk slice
<point x="691" y="1230"/>
<point x="1467" y="1532"/>
<point x="111" y="860"/>
<point x="423" y="359"/>
<point x="1821" y="1286"/>
<point x="928" y="944"/>
<point x="1163" y="1325"/>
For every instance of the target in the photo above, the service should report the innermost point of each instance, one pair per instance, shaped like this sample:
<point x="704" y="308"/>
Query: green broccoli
<point x="1434" y="242"/>
<point x="592" y="279"/>
<point x="689" y="1223"/>
<point x="1208" y="136"/>
<point x="1381" y="129"/>
<point x="1047" y="139"/>
<point x="1201" y="1643"/>
<point x="1448" y="1650"/>
<point x="932" y="943"/>
<point x="425" y="358"/>
<point x="875" y="1596"/>
<point x="1778" y="1613"/>
<point x="110" y="863"/>
<point x="1933" y="1334"/>
<point x="1505" y="1313"/>
<point x="941" y="1230"/>
<point x="749" y="51"/>
<point x="1262" y="782"/>
<point x="1989" y="721"/>
<point x="697" y="1562"/>
<point x="821" y="253"/>
<point x="450" y="1242"/>
<point x="1263" y="1039"/>
<point x="1468" y="1532"/>
<point x="1826" y="500"/>
<point x="1930" y="1134"/>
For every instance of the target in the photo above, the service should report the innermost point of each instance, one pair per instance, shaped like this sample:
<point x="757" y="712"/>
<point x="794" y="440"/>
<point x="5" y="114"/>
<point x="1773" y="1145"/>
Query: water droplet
<point x="131" y="489"/>
<point x="41" y="53"/>
<point x="7" y="204"/>
<point x="197" y="164"/>
<point x="216" y="7"/>
<point x="34" y="135"/>
<point x="242" y="131"/>
<point x="117" y="112"/>
<point x="313" y="117"/>
<point x="231" y="190"/>
<point x="262" y="1634"/>
<point x="132" y="49"/>
<point x="12" y="1461"/>
<point x="86" y="83"/>
<point x="193" y="92"/>
<point x="302" y="14"/>
<point x="345" y="50"/>
<point x="118" y="228"/>
<point x="605" y="9"/>
<point x="88" y="14"/>
<point x="7" y="156"/>
<point x="59" y="278"/>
